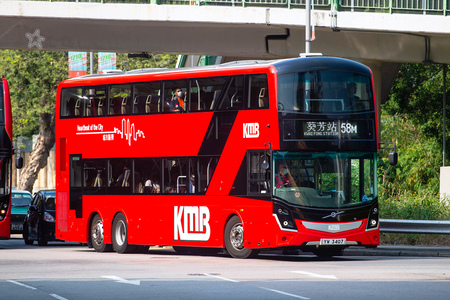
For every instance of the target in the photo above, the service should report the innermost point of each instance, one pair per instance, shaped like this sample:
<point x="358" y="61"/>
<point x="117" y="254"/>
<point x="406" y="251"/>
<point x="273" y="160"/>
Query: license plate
<point x="332" y="241"/>
<point x="16" y="226"/>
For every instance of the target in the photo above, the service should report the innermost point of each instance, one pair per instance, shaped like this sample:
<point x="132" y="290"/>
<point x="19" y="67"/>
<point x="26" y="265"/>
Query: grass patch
<point x="422" y="205"/>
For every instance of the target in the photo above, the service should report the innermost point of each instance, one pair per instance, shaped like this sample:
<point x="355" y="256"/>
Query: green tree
<point x="417" y="93"/>
<point x="412" y="117"/>
<point x="33" y="77"/>
<point x="418" y="164"/>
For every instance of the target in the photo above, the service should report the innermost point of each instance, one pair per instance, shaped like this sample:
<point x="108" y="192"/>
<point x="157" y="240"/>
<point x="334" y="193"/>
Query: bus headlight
<point x="3" y="210"/>
<point x="284" y="216"/>
<point x="373" y="218"/>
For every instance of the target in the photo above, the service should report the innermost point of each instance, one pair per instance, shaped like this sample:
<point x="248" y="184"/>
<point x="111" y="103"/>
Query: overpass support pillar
<point x="384" y="74"/>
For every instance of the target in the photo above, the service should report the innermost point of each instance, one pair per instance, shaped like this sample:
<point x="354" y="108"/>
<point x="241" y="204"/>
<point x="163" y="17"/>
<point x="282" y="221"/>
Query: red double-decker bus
<point x="5" y="160"/>
<point x="243" y="156"/>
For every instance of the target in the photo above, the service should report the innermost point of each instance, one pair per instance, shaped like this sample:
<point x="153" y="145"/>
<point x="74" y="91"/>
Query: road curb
<point x="419" y="251"/>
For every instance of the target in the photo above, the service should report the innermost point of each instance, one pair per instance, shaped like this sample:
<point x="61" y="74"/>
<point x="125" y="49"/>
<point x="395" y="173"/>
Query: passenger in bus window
<point x="169" y="189"/>
<point x="71" y="107"/>
<point x="177" y="102"/>
<point x="151" y="187"/>
<point x="283" y="177"/>
<point x="156" y="188"/>
<point x="122" y="180"/>
<point x="148" y="186"/>
<point x="353" y="89"/>
<point x="192" y="184"/>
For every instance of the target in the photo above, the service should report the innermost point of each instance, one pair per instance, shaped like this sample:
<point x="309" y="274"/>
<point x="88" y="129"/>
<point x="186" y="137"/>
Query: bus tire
<point x="97" y="235"/>
<point x="234" y="239"/>
<point x="120" y="235"/>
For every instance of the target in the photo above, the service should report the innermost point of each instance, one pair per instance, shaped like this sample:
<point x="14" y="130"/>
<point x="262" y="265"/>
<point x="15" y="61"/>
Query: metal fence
<point x="439" y="7"/>
<point x="399" y="6"/>
<point x="415" y="226"/>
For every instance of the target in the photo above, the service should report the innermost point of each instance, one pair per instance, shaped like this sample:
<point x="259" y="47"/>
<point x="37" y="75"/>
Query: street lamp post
<point x="308" y="27"/>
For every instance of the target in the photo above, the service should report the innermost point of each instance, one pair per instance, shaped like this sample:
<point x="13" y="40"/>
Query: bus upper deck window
<point x="120" y="100"/>
<point x="325" y="92"/>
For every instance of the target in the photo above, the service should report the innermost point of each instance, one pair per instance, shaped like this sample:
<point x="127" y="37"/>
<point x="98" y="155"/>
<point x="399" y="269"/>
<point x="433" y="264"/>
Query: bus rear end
<point x="5" y="160"/>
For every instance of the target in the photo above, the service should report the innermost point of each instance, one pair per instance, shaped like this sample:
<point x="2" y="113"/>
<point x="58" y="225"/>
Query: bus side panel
<point x="5" y="224"/>
<point x="135" y="136"/>
<point x="179" y="220"/>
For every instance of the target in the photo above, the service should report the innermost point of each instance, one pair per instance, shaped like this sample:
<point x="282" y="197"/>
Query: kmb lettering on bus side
<point x="251" y="130"/>
<point x="191" y="223"/>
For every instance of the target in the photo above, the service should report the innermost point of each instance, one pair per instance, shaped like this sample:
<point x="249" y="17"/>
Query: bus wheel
<point x="120" y="235"/>
<point x="96" y="235"/>
<point x="234" y="240"/>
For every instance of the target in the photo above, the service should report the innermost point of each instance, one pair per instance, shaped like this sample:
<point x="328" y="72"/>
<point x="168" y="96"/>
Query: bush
<point x="410" y="190"/>
<point x="421" y="205"/>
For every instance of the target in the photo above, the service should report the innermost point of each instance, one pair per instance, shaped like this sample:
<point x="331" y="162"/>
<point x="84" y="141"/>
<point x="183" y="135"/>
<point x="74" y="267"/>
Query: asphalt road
<point x="72" y="271"/>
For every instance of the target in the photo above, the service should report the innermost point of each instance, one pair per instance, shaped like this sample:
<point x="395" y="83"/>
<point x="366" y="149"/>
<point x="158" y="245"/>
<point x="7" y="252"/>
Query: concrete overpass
<point x="262" y="32"/>
<point x="379" y="39"/>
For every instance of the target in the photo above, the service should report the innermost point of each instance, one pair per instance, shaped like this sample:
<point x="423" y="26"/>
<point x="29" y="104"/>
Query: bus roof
<point x="287" y="65"/>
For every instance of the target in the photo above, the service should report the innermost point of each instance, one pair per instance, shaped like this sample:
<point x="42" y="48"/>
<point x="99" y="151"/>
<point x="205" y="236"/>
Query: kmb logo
<point x="251" y="130"/>
<point x="191" y="223"/>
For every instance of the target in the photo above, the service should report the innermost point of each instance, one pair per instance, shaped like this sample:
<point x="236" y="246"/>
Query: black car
<point x="39" y="224"/>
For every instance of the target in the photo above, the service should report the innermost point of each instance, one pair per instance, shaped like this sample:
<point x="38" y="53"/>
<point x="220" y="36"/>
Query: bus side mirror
<point x="393" y="158"/>
<point x="265" y="164"/>
<point x="19" y="162"/>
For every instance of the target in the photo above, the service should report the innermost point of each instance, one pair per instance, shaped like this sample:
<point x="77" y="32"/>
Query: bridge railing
<point x="433" y="7"/>
<point x="400" y="6"/>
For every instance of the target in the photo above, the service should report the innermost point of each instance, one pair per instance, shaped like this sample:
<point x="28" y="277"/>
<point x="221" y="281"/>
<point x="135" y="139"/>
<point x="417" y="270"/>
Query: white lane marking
<point x="121" y="280"/>
<point x="284" y="293"/>
<point x="315" y="275"/>
<point x="21" y="284"/>
<point x="218" y="277"/>
<point x="271" y="290"/>
<point x="58" y="297"/>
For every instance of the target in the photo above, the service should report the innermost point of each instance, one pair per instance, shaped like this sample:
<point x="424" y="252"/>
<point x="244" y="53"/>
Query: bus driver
<point x="283" y="177"/>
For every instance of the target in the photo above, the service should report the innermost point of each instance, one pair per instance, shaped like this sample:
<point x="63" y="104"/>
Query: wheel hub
<point x="97" y="233"/>
<point x="121" y="233"/>
<point x="237" y="236"/>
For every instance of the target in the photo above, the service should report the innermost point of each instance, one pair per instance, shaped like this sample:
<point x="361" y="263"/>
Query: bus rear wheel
<point x="234" y="239"/>
<point x="96" y="235"/>
<point x="120" y="235"/>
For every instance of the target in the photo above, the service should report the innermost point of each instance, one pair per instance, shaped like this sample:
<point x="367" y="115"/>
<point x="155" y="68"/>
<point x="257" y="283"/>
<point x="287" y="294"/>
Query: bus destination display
<point x="329" y="129"/>
<point x="297" y="129"/>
